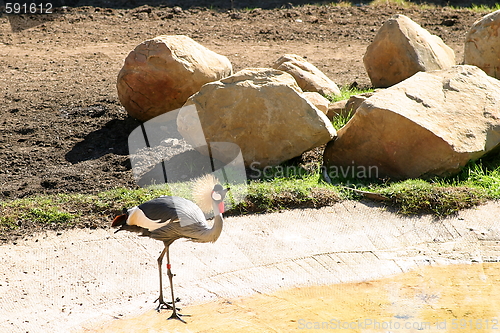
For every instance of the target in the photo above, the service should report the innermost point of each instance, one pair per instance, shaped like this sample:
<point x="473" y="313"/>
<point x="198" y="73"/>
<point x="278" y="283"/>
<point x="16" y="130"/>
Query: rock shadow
<point x="111" y="138"/>
<point x="179" y="168"/>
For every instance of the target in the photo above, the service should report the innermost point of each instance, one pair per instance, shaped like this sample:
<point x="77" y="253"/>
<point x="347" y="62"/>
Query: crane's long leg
<point x="174" y="315"/>
<point x="162" y="304"/>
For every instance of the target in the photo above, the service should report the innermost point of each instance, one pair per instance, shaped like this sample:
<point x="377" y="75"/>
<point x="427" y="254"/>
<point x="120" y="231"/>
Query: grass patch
<point x="284" y="187"/>
<point x="416" y="196"/>
<point x="477" y="182"/>
<point x="62" y="211"/>
<point x="340" y="120"/>
<point x="280" y="193"/>
<point x="46" y="212"/>
<point x="122" y="197"/>
<point x="485" y="8"/>
<point x="346" y="92"/>
<point x="48" y="216"/>
<point x="483" y="174"/>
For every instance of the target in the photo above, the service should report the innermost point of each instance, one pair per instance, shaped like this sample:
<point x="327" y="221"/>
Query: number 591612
<point x="28" y="8"/>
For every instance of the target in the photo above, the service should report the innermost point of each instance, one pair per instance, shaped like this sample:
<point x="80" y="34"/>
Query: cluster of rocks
<point x="432" y="123"/>
<point x="265" y="111"/>
<point x="434" y="116"/>
<point x="431" y="118"/>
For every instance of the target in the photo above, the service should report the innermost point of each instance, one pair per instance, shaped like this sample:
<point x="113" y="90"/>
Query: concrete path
<point x="72" y="281"/>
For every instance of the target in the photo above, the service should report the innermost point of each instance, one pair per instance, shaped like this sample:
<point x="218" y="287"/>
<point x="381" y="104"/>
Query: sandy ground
<point x="80" y="280"/>
<point x="427" y="299"/>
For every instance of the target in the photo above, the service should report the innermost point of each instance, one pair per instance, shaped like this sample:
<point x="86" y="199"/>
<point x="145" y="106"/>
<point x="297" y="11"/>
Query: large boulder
<point x="261" y="110"/>
<point x="402" y="48"/>
<point x="160" y="74"/>
<point x="430" y="124"/>
<point x="482" y="44"/>
<point x="308" y="77"/>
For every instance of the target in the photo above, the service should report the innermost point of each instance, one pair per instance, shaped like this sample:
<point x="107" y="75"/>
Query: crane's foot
<point x="165" y="305"/>
<point x="177" y="316"/>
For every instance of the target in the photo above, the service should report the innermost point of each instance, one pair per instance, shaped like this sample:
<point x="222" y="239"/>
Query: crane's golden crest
<point x="202" y="192"/>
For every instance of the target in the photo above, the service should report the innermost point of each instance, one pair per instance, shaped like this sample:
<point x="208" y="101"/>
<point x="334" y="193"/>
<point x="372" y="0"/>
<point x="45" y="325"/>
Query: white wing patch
<point x="137" y="217"/>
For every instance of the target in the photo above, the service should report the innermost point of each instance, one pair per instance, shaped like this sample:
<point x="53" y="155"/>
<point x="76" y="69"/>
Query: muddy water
<point x="457" y="298"/>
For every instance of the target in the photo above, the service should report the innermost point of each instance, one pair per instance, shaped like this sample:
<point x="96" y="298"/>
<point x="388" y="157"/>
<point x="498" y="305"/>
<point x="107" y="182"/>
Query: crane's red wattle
<point x="221" y="207"/>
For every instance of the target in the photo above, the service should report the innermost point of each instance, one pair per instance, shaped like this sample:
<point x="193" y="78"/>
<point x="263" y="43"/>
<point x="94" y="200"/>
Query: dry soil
<point x="62" y="128"/>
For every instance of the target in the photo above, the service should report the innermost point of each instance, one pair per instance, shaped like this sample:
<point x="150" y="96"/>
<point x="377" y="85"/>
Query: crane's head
<point x="207" y="191"/>
<point x="218" y="195"/>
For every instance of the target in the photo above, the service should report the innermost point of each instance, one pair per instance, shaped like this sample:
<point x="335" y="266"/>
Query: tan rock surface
<point x="482" y="45"/>
<point x="336" y="108"/>
<point x="430" y="124"/>
<point x="263" y="111"/>
<point x="354" y="102"/>
<point x="308" y="76"/>
<point x="160" y="74"/>
<point x="402" y="48"/>
<point x="346" y="108"/>
<point x="317" y="100"/>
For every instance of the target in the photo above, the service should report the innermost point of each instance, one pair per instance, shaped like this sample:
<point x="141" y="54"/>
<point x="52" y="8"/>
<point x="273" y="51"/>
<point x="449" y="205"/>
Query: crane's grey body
<point x="169" y="218"/>
<point x="173" y="208"/>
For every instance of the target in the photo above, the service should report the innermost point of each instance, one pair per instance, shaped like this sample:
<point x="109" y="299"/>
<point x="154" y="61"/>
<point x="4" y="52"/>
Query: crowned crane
<point x="169" y="218"/>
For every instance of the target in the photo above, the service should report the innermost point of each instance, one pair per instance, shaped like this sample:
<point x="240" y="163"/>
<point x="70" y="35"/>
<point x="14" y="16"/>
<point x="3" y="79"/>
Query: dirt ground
<point x="62" y="128"/>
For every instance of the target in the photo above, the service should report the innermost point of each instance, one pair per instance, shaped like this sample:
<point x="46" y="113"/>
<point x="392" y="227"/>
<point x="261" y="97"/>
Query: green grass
<point x="483" y="174"/>
<point x="477" y="182"/>
<point x="44" y="210"/>
<point x="415" y="196"/>
<point x="287" y="186"/>
<point x="485" y="8"/>
<point x="69" y="210"/>
<point x="277" y="193"/>
<point x="346" y="92"/>
<point x="339" y="121"/>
